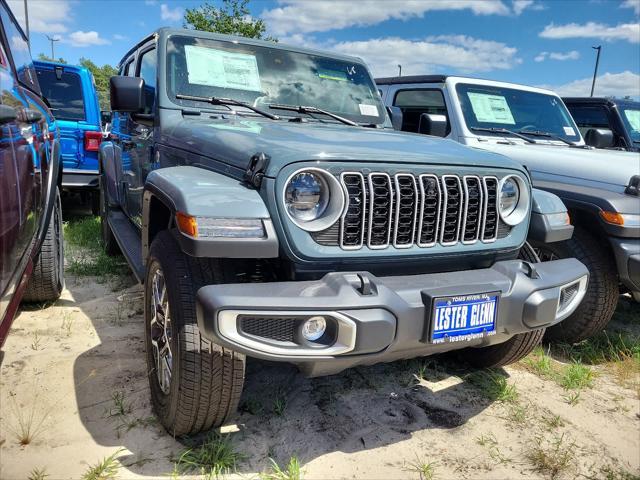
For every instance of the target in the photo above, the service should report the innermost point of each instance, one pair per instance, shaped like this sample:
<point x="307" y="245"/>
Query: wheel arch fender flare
<point x="199" y="192"/>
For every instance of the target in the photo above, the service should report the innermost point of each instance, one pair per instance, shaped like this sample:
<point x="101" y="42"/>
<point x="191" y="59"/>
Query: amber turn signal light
<point x="187" y="224"/>
<point x="612" y="218"/>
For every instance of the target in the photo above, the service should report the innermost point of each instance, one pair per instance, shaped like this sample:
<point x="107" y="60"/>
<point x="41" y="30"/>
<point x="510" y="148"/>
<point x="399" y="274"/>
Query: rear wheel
<point x="601" y="298"/>
<point x="109" y="242"/>
<point x="47" y="280"/>
<point x="514" y="349"/>
<point x="195" y="385"/>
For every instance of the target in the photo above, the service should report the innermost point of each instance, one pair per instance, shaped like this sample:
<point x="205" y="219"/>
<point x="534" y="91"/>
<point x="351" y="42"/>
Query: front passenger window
<point x="414" y="103"/>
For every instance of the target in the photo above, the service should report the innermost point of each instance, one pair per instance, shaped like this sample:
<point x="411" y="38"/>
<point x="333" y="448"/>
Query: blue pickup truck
<point x="71" y="92"/>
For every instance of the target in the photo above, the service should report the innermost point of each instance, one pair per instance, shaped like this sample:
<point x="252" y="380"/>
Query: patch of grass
<point x="290" y="472"/>
<point x="609" y="472"/>
<point x="213" y="457"/>
<point x="67" y="323"/>
<point x="425" y="470"/>
<point x="553" y="421"/>
<point x="576" y="376"/>
<point x="517" y="413"/>
<point x="106" y="469"/>
<point x="493" y="385"/>
<point x="539" y="362"/>
<point x="37" y="474"/>
<point x="30" y="421"/>
<point x="572" y="398"/>
<point x="279" y="403"/>
<point x="35" y="345"/>
<point x="552" y="457"/>
<point x="84" y="232"/>
<point x="486" y="440"/>
<point x="120" y="406"/>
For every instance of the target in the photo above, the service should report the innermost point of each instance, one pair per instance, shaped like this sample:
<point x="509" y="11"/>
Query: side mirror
<point x="599" y="138"/>
<point x="105" y="116"/>
<point x="127" y="94"/>
<point x="431" y="124"/>
<point x="395" y="113"/>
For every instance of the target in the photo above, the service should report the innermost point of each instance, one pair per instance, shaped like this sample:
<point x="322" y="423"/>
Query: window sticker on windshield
<point x="217" y="68"/>
<point x="368" y="110"/>
<point x="634" y="118"/>
<point x="569" y="131"/>
<point x="490" y="108"/>
<point x="332" y="75"/>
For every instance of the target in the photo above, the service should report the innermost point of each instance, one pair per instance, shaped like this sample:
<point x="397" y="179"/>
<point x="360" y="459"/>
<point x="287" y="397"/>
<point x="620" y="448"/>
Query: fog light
<point x="314" y="328"/>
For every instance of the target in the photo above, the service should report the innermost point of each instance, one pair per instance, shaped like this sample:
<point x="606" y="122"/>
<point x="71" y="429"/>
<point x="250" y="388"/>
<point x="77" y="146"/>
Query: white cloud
<point x="622" y="31"/>
<point x="119" y="37"/>
<point x="444" y="52"/>
<point x="169" y="14"/>
<point x="47" y="17"/>
<point x="562" y="56"/>
<point x="322" y="15"/>
<point x="607" y="85"/>
<point x="520" y="6"/>
<point x="85" y="39"/>
<point x="635" y="4"/>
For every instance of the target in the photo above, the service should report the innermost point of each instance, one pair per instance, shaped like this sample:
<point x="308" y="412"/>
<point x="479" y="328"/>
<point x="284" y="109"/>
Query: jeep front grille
<point x="423" y="210"/>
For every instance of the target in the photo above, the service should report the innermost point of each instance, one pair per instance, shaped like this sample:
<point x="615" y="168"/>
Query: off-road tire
<point x="109" y="242"/>
<point x="47" y="280"/>
<point x="600" y="301"/>
<point x="206" y="379"/>
<point x="514" y="349"/>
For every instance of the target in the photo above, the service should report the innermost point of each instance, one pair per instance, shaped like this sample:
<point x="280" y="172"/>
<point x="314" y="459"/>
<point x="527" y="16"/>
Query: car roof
<point x="66" y="66"/>
<point x="601" y="101"/>
<point x="166" y="31"/>
<point x="411" y="79"/>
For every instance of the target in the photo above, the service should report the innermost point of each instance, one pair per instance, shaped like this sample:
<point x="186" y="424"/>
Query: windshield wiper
<point x="538" y="133"/>
<point x="227" y="102"/>
<point x="308" y="110"/>
<point x="504" y="131"/>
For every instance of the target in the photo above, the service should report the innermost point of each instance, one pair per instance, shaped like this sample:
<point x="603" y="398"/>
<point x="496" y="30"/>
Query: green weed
<point x="425" y="470"/>
<point x="213" y="457"/>
<point x="291" y="472"/>
<point x="106" y="469"/>
<point x="552" y="457"/>
<point x="37" y="474"/>
<point x="493" y="385"/>
<point x="576" y="376"/>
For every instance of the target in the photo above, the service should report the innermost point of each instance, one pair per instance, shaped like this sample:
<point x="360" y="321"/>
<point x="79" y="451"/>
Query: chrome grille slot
<point x="472" y="209"/>
<point x="352" y="223"/>
<point x="452" y="210"/>
<point x="431" y="202"/>
<point x="380" y="210"/>
<point x="406" y="210"/>
<point x="490" y="224"/>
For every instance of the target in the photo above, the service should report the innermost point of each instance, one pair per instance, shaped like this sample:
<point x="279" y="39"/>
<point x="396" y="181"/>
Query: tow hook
<point x="531" y="271"/>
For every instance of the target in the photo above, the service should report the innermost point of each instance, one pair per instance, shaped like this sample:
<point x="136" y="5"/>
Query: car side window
<point x="587" y="117"/>
<point x="129" y="69"/>
<point x="148" y="72"/>
<point x="20" y="52"/>
<point x="414" y="103"/>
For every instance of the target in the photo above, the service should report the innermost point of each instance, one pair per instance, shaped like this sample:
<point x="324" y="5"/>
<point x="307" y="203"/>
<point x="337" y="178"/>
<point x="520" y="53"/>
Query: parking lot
<point x="74" y="392"/>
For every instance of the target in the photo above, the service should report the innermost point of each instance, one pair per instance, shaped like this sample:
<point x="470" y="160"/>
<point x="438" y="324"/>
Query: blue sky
<point x="526" y="41"/>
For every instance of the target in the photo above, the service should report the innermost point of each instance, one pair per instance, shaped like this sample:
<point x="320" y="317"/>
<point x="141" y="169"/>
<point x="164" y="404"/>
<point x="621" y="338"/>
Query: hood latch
<point x="255" y="171"/>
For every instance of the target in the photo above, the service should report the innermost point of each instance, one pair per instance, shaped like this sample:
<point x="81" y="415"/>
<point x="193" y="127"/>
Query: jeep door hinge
<point x="256" y="169"/>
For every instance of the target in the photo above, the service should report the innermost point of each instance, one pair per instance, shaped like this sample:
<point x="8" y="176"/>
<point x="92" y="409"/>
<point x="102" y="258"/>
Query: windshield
<point x="485" y="106"/>
<point x="262" y="76"/>
<point x="631" y="119"/>
<point x="64" y="95"/>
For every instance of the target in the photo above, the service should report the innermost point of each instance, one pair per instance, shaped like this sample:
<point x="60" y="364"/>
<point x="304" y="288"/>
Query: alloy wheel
<point x="161" y="331"/>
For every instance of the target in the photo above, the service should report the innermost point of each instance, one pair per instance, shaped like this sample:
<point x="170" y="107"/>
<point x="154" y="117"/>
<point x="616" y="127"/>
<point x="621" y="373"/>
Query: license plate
<point x="464" y="317"/>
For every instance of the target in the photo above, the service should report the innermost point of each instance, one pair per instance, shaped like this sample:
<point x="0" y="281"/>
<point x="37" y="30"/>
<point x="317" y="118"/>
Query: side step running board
<point x="129" y="242"/>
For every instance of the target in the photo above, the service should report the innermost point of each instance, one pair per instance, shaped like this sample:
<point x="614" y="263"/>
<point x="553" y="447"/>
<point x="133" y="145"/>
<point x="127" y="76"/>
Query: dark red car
<point x="31" y="246"/>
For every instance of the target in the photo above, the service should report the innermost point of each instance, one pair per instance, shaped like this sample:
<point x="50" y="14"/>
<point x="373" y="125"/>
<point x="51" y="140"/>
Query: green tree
<point x="101" y="75"/>
<point x="46" y="58"/>
<point x="231" y="18"/>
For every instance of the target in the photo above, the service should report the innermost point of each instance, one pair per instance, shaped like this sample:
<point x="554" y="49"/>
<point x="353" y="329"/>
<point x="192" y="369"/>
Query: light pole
<point x="52" y="39"/>
<point x="595" y="71"/>
<point x="399" y="70"/>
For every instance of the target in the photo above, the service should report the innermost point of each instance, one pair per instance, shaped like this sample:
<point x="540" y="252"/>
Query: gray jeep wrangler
<point x="262" y="196"/>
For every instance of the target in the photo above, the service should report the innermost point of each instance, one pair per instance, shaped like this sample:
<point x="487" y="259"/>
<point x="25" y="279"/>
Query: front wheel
<point x="601" y="298"/>
<point x="514" y="349"/>
<point x="47" y="280"/>
<point x="195" y="385"/>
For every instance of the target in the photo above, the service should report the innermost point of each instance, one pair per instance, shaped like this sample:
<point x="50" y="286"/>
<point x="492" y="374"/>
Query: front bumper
<point x="627" y="254"/>
<point x="380" y="319"/>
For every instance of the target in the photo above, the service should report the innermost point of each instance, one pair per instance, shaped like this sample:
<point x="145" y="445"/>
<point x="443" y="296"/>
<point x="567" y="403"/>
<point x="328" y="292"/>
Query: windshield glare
<point x="517" y="110"/>
<point x="631" y="119"/>
<point x="263" y="76"/>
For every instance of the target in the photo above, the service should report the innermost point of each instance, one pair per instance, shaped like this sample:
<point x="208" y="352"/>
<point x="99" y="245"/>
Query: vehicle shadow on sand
<point x="281" y="413"/>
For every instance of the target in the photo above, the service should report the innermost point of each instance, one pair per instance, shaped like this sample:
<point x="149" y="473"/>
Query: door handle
<point x="28" y="115"/>
<point x="7" y="114"/>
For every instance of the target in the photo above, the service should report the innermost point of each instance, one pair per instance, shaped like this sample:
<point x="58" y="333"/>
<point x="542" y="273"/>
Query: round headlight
<point x="509" y="197"/>
<point x="513" y="200"/>
<point x="306" y="196"/>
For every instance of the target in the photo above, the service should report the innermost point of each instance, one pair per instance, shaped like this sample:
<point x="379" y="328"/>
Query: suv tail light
<point x="92" y="141"/>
